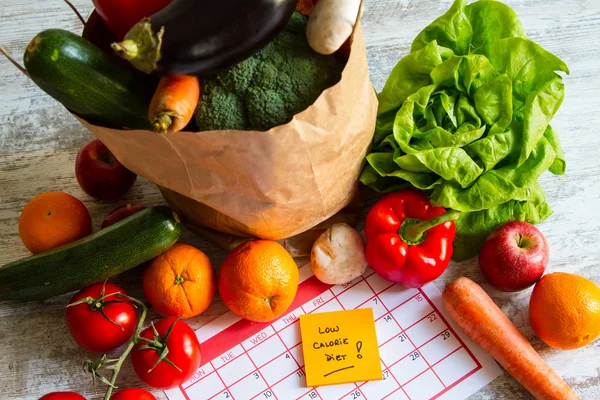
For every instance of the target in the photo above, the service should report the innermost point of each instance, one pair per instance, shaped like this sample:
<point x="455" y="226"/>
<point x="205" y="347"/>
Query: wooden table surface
<point x="39" y="141"/>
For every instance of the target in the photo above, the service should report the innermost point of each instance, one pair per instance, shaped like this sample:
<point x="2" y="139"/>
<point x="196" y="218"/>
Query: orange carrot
<point x="174" y="103"/>
<point x="477" y="314"/>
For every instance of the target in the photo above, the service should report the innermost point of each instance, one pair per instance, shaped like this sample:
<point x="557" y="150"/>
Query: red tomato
<point x="121" y="15"/>
<point x="132" y="394"/>
<point x="184" y="352"/>
<point x="62" y="396"/>
<point x="94" y="331"/>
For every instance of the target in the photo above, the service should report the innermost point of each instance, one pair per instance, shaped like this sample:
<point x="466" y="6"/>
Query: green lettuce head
<point x="466" y="117"/>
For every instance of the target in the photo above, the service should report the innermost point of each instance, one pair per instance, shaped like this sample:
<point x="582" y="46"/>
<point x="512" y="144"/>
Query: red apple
<point x="100" y="174"/>
<point x="514" y="256"/>
<point x="120" y="214"/>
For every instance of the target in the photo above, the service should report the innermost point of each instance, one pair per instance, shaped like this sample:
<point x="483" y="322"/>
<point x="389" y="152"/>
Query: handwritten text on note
<point x="340" y="347"/>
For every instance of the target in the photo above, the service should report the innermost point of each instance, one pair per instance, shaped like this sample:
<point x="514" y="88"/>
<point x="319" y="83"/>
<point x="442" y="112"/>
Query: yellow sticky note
<point x="340" y="347"/>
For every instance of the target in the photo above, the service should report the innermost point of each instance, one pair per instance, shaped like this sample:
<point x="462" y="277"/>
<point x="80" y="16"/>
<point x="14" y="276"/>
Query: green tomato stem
<point x="132" y="342"/>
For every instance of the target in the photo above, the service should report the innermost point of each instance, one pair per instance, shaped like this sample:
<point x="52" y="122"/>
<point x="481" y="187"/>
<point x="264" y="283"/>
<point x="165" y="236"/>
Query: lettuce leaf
<point x="472" y="228"/>
<point x="466" y="118"/>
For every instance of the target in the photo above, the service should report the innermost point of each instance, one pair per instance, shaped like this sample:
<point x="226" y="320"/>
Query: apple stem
<point x="413" y="232"/>
<point x="522" y="242"/>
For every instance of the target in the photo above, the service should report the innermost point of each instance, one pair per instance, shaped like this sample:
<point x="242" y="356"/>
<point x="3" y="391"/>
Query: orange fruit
<point x="258" y="280"/>
<point x="180" y="282"/>
<point x="564" y="310"/>
<point x="53" y="219"/>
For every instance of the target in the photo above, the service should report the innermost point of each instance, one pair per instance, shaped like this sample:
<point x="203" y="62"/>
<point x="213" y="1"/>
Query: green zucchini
<point x="87" y="81"/>
<point x="122" y="246"/>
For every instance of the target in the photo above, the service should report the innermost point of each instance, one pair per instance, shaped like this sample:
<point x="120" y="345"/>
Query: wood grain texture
<point x="39" y="141"/>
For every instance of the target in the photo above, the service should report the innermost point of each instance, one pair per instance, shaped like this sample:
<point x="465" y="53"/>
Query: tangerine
<point x="53" y="219"/>
<point x="258" y="280"/>
<point x="180" y="282"/>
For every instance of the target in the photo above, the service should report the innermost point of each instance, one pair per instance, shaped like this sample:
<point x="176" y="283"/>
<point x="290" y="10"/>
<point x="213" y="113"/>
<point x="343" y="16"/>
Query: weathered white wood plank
<point x="39" y="141"/>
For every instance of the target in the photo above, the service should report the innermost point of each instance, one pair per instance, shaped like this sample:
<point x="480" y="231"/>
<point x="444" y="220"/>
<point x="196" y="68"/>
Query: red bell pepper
<point x="122" y="15"/>
<point x="409" y="241"/>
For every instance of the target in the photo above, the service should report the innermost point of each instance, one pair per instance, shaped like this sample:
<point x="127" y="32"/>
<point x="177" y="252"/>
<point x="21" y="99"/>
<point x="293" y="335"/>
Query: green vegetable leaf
<point x="451" y="163"/>
<point x="452" y="30"/>
<point x="492" y="21"/>
<point x="526" y="64"/>
<point x="442" y="138"/>
<point x="473" y="28"/>
<point x="496" y="186"/>
<point x="466" y="117"/>
<point x="540" y="107"/>
<point x="384" y="165"/>
<point x="493" y="102"/>
<point x="472" y="228"/>
<point x="559" y="165"/>
<point x="493" y="148"/>
<point x="409" y="75"/>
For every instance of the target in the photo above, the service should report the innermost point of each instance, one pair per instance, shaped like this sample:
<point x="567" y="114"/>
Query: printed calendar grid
<point x="329" y="300"/>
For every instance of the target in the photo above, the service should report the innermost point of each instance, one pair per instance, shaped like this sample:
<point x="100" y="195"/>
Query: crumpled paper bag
<point x="274" y="184"/>
<point x="298" y="246"/>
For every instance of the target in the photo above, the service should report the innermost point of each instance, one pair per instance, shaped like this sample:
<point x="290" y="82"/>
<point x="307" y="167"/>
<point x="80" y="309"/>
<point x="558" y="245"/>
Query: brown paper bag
<point x="273" y="184"/>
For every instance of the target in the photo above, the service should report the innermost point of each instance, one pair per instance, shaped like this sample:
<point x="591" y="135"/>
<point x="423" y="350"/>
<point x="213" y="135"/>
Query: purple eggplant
<point x="201" y="37"/>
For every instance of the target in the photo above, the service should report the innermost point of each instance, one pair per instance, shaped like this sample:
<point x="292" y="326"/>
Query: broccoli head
<point x="269" y="88"/>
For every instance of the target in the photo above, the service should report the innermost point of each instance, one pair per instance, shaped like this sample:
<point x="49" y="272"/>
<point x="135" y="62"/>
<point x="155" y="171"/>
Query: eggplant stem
<point x="141" y="46"/>
<point x="75" y="11"/>
<point x="12" y="60"/>
<point x="126" y="49"/>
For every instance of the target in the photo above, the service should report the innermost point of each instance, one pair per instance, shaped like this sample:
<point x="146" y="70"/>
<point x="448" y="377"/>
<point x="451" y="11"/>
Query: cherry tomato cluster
<point x="125" y="394"/>
<point x="103" y="317"/>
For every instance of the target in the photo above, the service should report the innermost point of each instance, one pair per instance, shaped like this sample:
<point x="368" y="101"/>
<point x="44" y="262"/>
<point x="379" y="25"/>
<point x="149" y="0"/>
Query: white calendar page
<point x="423" y="354"/>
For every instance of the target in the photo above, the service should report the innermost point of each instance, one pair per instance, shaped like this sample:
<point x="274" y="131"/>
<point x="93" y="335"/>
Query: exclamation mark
<point x="359" y="347"/>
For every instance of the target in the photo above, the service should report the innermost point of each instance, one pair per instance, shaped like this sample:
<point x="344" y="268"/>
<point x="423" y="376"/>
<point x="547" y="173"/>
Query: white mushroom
<point x="338" y="255"/>
<point x="330" y="24"/>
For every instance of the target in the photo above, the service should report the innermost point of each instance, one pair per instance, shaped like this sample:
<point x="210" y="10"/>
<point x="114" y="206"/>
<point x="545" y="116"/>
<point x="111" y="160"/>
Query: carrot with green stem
<point x="174" y="103"/>
<point x="477" y="314"/>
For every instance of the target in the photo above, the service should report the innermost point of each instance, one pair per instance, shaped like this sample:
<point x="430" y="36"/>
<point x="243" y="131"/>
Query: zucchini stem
<point x="12" y="60"/>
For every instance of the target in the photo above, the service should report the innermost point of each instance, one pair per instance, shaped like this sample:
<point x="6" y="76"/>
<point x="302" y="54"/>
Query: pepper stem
<point x="414" y="232"/>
